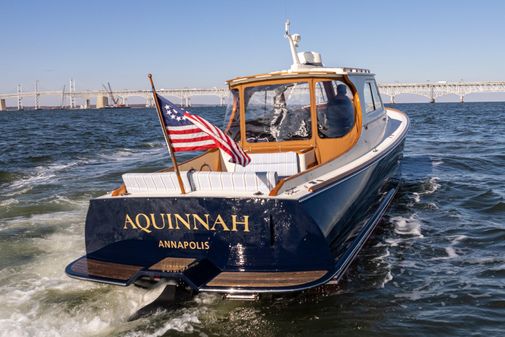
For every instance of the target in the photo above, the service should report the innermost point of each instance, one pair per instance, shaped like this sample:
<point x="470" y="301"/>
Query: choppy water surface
<point x="436" y="266"/>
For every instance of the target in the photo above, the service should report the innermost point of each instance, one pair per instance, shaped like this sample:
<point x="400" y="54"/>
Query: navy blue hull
<point x="322" y="232"/>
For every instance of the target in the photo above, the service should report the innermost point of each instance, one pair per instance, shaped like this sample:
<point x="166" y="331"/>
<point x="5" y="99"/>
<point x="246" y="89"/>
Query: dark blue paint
<point x="284" y="235"/>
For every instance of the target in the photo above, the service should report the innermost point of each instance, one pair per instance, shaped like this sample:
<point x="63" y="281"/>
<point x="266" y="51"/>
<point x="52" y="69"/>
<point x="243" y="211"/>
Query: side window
<point x="335" y="109"/>
<point x="373" y="99"/>
<point x="376" y="96"/>
<point x="370" y="105"/>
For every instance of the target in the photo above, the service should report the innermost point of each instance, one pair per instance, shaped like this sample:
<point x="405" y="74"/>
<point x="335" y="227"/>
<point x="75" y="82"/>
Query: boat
<point x="325" y="155"/>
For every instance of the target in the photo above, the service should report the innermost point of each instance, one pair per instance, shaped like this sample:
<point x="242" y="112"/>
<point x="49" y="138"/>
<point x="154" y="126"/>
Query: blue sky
<point x="203" y="43"/>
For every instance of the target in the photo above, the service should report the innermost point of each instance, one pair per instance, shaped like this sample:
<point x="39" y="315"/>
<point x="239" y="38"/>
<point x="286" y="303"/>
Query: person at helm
<point x="339" y="117"/>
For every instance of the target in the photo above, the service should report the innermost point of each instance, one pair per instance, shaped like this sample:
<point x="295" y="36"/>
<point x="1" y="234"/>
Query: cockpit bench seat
<point x="252" y="182"/>
<point x="156" y="183"/>
<point x="284" y="163"/>
<point x="200" y="181"/>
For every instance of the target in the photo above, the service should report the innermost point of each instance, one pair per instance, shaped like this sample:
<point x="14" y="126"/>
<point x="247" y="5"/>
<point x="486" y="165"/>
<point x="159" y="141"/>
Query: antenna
<point x="293" y="43"/>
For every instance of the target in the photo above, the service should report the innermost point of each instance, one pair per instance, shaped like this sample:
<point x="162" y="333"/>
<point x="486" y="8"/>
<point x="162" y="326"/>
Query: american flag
<point x="189" y="132"/>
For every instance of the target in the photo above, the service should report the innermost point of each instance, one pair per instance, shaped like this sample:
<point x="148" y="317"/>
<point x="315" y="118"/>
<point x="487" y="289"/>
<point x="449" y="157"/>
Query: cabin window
<point x="277" y="112"/>
<point x="232" y="116"/>
<point x="335" y="109"/>
<point x="370" y="106"/>
<point x="373" y="99"/>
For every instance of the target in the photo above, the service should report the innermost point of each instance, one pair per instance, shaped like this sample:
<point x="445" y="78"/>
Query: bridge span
<point x="432" y="91"/>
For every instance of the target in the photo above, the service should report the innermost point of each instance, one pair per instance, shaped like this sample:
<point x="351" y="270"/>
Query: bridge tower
<point x="462" y="99"/>
<point x="37" y="107"/>
<point x="71" y="94"/>
<point x="20" y="99"/>
<point x="432" y="94"/>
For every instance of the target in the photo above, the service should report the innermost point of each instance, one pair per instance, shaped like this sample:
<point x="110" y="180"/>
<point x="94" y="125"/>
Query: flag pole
<point x="165" y="134"/>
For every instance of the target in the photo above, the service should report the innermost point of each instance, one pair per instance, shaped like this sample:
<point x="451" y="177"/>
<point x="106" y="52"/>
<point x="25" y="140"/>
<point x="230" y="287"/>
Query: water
<point x="436" y="266"/>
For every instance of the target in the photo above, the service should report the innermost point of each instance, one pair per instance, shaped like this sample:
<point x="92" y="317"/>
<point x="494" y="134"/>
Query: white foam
<point x="40" y="175"/>
<point x="451" y="252"/>
<point x="9" y="202"/>
<point x="410" y="226"/>
<point x="387" y="279"/>
<point x="185" y="322"/>
<point x="393" y="242"/>
<point x="382" y="257"/>
<point x="38" y="299"/>
<point x="126" y="154"/>
<point x="432" y="185"/>
<point x="458" y="239"/>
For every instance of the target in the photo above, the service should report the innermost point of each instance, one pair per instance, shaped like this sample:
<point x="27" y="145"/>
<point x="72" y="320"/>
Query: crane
<point x="63" y="98"/>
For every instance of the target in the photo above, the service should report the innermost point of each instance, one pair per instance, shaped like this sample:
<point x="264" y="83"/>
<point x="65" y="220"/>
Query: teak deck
<point x="87" y="267"/>
<point x="172" y="264"/>
<point x="109" y="270"/>
<point x="265" y="279"/>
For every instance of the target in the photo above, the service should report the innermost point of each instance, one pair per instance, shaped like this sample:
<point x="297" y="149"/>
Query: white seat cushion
<point x="253" y="182"/>
<point x="284" y="163"/>
<point x="159" y="182"/>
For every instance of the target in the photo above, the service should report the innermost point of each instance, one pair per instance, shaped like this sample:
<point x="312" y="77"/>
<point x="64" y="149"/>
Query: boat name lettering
<point x="149" y="222"/>
<point x="194" y="245"/>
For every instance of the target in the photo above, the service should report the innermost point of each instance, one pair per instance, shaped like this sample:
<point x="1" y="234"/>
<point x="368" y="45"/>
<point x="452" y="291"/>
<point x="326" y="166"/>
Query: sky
<point x="204" y="43"/>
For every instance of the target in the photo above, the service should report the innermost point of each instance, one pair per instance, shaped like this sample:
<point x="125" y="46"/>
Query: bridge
<point x="432" y="91"/>
<point x="101" y="96"/>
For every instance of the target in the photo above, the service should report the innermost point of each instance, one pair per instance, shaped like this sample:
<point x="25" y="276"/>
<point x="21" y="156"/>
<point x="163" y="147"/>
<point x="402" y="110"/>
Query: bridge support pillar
<point x="462" y="99"/>
<point x="86" y="103"/>
<point x="149" y="102"/>
<point x="37" y="106"/>
<point x="187" y="102"/>
<point x="101" y="101"/>
<point x="2" y="105"/>
<point x="393" y="100"/>
<point x="222" y="100"/>
<point x="20" y="98"/>
<point x="432" y="100"/>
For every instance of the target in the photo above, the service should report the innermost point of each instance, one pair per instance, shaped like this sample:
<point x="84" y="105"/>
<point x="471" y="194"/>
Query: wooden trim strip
<point x="172" y="264"/>
<point x="121" y="190"/>
<point x="90" y="267"/>
<point x="265" y="279"/>
<point x="281" y="75"/>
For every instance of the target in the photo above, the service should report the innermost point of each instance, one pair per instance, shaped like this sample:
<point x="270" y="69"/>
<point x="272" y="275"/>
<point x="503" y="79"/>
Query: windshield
<point x="277" y="112"/>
